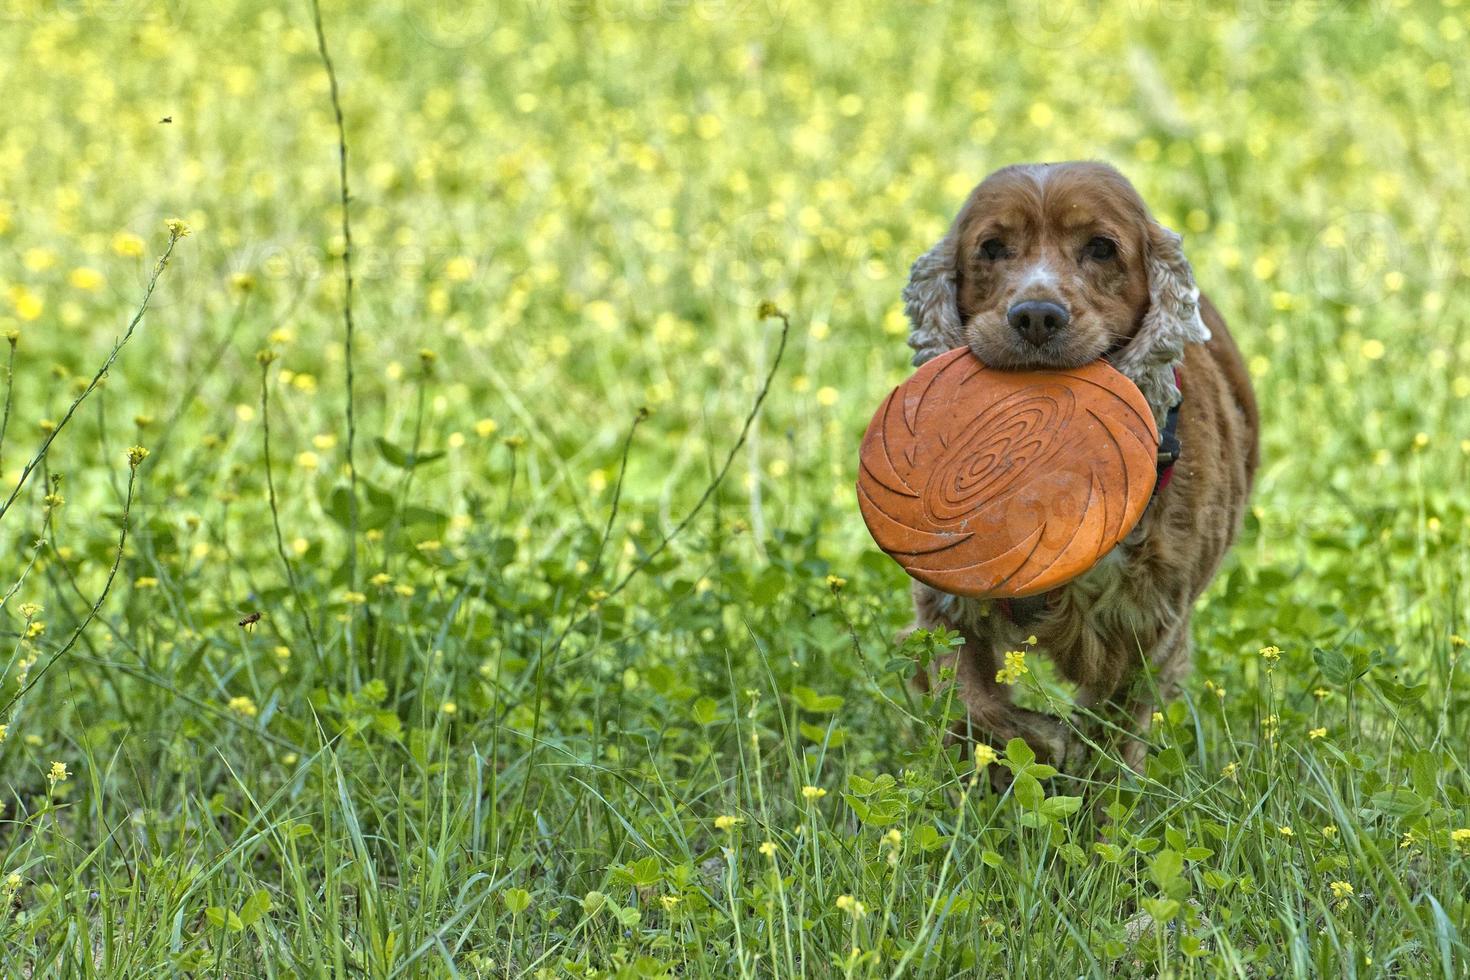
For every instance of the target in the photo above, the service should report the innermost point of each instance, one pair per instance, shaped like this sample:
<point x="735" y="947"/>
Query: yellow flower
<point x="1329" y="831"/>
<point x="812" y="792"/>
<point x="768" y="849"/>
<point x="851" y="906"/>
<point x="727" y="822"/>
<point x="127" y="245"/>
<point x="136" y="455"/>
<point x="1408" y="840"/>
<point x="59" y="773"/>
<point x="449" y="708"/>
<point x="1215" y="689"/>
<point x="1321" y="694"/>
<point x="669" y="901"/>
<point x="177" y="228"/>
<point x="835" y="583"/>
<point x="34" y="629"/>
<point x="485" y="428"/>
<point x="1461" y="836"/>
<point x="1341" y="889"/>
<point x="354" y="598"/>
<point x="1317" y="733"/>
<point x="145" y="582"/>
<point x="1286" y="831"/>
<point x="4" y="731"/>
<point x="381" y="579"/>
<point x="1271" y="655"/>
<point x="893" y="838"/>
<point x="984" y="755"/>
<point x="1230" y="770"/>
<point x="86" y="279"/>
<point x="242" y="705"/>
<point x="1015" y="666"/>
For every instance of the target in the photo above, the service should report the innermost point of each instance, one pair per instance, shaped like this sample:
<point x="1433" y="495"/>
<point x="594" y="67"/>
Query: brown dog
<point x="1053" y="266"/>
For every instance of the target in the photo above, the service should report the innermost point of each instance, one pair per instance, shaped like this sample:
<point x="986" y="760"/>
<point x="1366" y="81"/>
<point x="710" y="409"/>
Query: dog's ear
<point x="932" y="303"/>
<point x="1172" y="321"/>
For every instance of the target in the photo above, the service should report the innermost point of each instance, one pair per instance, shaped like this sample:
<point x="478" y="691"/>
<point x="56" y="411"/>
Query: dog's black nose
<point x="1037" y="320"/>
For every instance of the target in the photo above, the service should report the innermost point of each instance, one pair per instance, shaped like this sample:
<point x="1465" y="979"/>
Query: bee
<point x="165" y="119"/>
<point x="249" y="621"/>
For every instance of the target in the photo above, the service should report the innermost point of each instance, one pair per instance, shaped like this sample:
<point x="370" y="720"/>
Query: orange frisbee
<point x="1004" y="484"/>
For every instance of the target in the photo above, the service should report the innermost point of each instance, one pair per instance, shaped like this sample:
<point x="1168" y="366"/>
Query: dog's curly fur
<point x="1032" y="232"/>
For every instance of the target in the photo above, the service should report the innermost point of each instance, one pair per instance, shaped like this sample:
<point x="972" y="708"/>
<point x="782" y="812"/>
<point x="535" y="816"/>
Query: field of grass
<point x="587" y="679"/>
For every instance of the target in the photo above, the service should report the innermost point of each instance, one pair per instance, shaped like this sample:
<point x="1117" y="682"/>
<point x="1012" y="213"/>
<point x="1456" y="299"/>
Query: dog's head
<point x="1053" y="266"/>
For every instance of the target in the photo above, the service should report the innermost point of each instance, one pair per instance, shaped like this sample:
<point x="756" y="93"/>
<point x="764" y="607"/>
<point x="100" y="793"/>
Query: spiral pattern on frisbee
<point x="1003" y="484"/>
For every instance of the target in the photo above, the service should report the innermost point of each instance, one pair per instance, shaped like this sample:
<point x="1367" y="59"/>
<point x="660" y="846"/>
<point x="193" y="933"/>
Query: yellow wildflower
<point x="242" y="705"/>
<point x="1015" y="666"/>
<point x="727" y="822"/>
<point x="812" y="792"/>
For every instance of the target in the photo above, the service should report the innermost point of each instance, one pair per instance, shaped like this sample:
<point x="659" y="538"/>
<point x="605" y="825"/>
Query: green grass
<point x="560" y="716"/>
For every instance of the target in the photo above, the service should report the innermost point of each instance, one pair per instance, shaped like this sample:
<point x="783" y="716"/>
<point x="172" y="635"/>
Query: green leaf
<point x="223" y="918"/>
<point x="1018" y="752"/>
<point x="1400" y="695"/>
<point x="1161" y="910"/>
<point x="1166" y="867"/>
<point x="704" y="711"/>
<point x="821" y="704"/>
<point x="255" y="907"/>
<point x="1027" y="791"/>
<point x="405" y="459"/>
<point x="1216" y="879"/>
<point x="1110" y="853"/>
<point x="1335" y="666"/>
<point x="1399" y="802"/>
<point x="1057" y="807"/>
<point x="516" y="900"/>
<point x="819" y="733"/>
<point x="926" y="837"/>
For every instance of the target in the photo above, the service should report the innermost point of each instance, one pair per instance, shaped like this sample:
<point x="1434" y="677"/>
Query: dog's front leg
<point x="1127" y="707"/>
<point x="990" y="714"/>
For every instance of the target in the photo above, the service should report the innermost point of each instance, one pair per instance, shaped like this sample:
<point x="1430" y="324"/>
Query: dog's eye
<point x="993" y="248"/>
<point x="1100" y="248"/>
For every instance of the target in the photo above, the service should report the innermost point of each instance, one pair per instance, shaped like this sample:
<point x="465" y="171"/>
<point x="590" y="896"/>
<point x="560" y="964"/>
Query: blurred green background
<point x="564" y="212"/>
